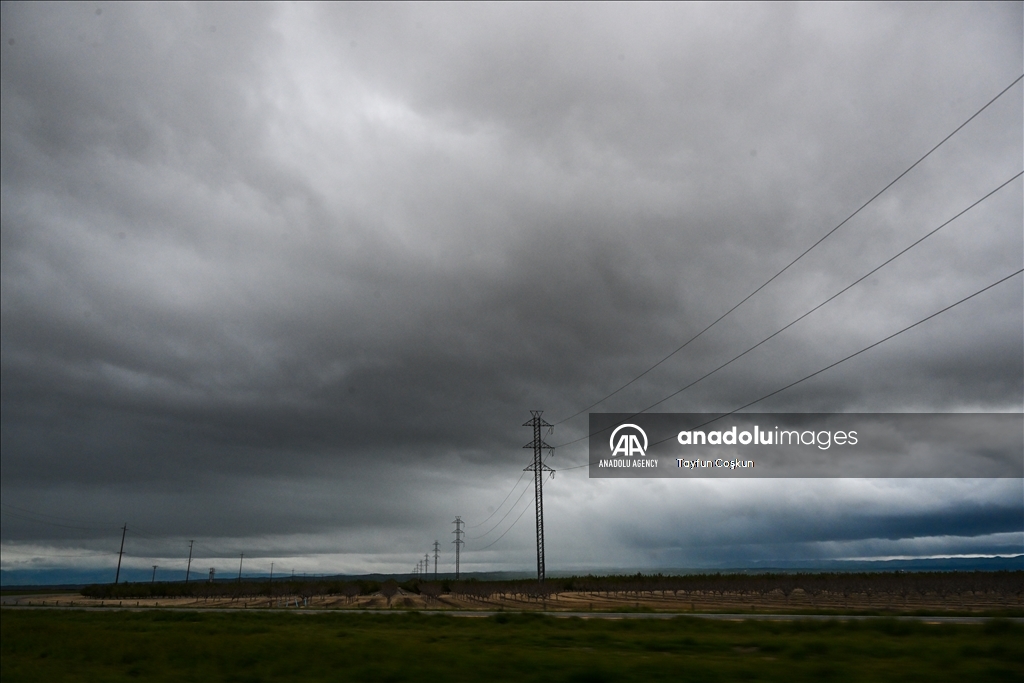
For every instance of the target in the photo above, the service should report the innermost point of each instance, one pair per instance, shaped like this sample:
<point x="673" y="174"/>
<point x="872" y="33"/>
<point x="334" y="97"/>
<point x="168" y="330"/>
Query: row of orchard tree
<point x="243" y="589"/>
<point x="1005" y="586"/>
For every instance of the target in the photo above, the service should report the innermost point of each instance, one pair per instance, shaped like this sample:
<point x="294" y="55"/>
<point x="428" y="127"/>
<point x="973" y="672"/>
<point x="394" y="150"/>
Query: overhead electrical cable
<point x="815" y="308"/>
<point x="804" y="253"/>
<point x="42" y="521"/>
<point x="498" y="523"/>
<point x="136" y="531"/>
<point x="784" y="269"/>
<point x="843" y="360"/>
<point x="501" y="503"/>
<point x="24" y="512"/>
<point x="529" y="505"/>
<point x="867" y="348"/>
<point x="511" y="491"/>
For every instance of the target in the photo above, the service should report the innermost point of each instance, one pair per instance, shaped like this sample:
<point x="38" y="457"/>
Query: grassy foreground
<point x="55" y="645"/>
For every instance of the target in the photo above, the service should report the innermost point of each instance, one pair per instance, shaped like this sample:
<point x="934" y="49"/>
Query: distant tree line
<point x="894" y="586"/>
<point x="244" y="589"/>
<point x="1007" y="585"/>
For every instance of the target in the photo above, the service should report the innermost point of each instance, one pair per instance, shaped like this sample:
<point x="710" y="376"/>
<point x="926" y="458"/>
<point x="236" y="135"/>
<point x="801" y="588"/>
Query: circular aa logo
<point x="628" y="443"/>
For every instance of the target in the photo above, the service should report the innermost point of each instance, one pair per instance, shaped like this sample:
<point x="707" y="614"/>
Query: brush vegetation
<point x="997" y="593"/>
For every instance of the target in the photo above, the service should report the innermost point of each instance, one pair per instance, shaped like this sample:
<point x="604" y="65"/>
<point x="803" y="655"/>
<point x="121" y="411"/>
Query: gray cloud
<point x="300" y="272"/>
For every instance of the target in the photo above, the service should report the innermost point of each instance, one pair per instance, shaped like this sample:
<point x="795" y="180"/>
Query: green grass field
<point x="49" y="646"/>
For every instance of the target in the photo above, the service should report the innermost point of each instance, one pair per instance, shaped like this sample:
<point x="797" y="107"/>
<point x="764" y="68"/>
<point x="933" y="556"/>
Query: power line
<point x="837" y="294"/>
<point x="150" y="536"/>
<point x="25" y="512"/>
<point x="867" y="348"/>
<point x="762" y="286"/>
<point x="804" y="253"/>
<point x="512" y="525"/>
<point x="521" y="475"/>
<point x="511" y="508"/>
<point x="41" y="521"/>
<point x="852" y="355"/>
<point x="815" y="308"/>
<point x="498" y="523"/>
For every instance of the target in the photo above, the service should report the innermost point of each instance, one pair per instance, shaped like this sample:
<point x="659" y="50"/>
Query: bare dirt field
<point x="569" y="601"/>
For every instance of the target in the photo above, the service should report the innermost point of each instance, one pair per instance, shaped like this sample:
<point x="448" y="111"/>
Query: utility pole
<point x="426" y="563"/>
<point x="458" y="542"/>
<point x="117" y="576"/>
<point x="271" y="572"/>
<point x="240" y="558"/>
<point x="436" y="551"/>
<point x="153" y="580"/>
<point x="189" y="567"/>
<point x="538" y="468"/>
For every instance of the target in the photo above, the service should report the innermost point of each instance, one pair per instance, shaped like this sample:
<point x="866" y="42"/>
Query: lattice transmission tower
<point x="538" y="468"/>
<point x="458" y="542"/>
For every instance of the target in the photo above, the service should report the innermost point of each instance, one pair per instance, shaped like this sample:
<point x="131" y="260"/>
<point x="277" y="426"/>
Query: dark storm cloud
<point x="348" y="247"/>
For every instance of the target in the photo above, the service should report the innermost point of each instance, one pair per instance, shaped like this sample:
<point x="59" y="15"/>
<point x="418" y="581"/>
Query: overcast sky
<point x="288" y="279"/>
